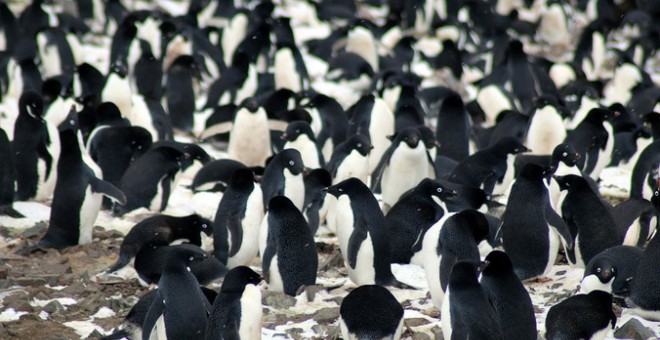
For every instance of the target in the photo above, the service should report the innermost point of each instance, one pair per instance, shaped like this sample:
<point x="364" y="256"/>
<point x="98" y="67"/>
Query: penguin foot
<point x="8" y="210"/>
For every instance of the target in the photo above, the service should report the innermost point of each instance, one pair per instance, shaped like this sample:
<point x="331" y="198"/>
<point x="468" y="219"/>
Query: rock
<point x="277" y="300"/>
<point x="414" y="322"/>
<point x="29" y="281"/>
<point x="53" y="307"/>
<point x="326" y="315"/>
<point x="75" y="289"/>
<point x="29" y="317"/>
<point x="310" y="291"/>
<point x="95" y="335"/>
<point x="421" y="336"/>
<point x="634" y="329"/>
<point x="37" y="229"/>
<point x="437" y="333"/>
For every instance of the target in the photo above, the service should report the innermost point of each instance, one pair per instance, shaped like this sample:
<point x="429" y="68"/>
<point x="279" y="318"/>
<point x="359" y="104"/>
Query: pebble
<point x="633" y="329"/>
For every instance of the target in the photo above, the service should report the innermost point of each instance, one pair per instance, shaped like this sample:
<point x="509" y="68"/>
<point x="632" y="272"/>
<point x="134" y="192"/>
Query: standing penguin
<point x="591" y="138"/>
<point x="466" y="311"/>
<point x="36" y="148"/>
<point x="117" y="89"/>
<point x="236" y="312"/>
<point x="453" y="129"/>
<point x="178" y="294"/>
<point x="403" y="166"/>
<point x="644" y="293"/>
<point x="350" y="159"/>
<point x="180" y="93"/>
<point x="582" y="316"/>
<point x="644" y="179"/>
<point x="636" y="219"/>
<point x="588" y="218"/>
<point x="515" y="312"/>
<point x="410" y="218"/>
<point x="284" y="177"/>
<point x="7" y="178"/>
<point x="612" y="270"/>
<point x="361" y="233"/>
<point x="315" y="181"/>
<point x="298" y="135"/>
<point x="249" y="139"/>
<point x="546" y="127"/>
<point x="290" y="260"/>
<point x="531" y="229"/>
<point x="237" y="220"/>
<point x="78" y="192"/>
<point x="370" y="116"/>
<point x="370" y="312"/>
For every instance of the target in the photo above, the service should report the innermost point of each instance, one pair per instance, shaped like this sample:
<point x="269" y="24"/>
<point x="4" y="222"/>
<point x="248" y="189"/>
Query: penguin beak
<point x="306" y="171"/>
<point x="437" y="144"/>
<point x="284" y="136"/>
<point x="325" y="189"/>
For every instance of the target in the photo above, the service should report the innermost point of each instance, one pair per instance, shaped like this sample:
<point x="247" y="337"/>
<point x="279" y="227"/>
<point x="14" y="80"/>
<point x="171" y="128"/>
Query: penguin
<point x="585" y="316"/>
<point x="467" y="197"/>
<point x="298" y="135"/>
<point x="628" y="146"/>
<point x="612" y="270"/>
<point x="289" y="68"/>
<point x="509" y="123"/>
<point x="36" y="147"/>
<point x="403" y="166"/>
<point x="290" y="260"/>
<point x="236" y="312"/>
<point x="589" y="220"/>
<point x="513" y="306"/>
<point x="589" y="138"/>
<point x="644" y="299"/>
<point x="531" y="229"/>
<point x="237" y="83"/>
<point x="370" y="116"/>
<point x="150" y="262"/>
<point x="453" y="129"/>
<point x="283" y="176"/>
<point x="546" y="127"/>
<point x="150" y="179"/>
<point x="315" y="181"/>
<point x="370" y="312"/>
<point x="428" y="138"/>
<point x="409" y="219"/>
<point x="179" y="92"/>
<point x="178" y="294"/>
<point x="636" y="220"/>
<point x="7" y="178"/>
<point x="160" y="230"/>
<point x="78" y="192"/>
<point x="148" y="73"/>
<point x="117" y="89"/>
<point x="362" y="237"/>
<point x="237" y="221"/>
<point x="466" y="309"/>
<point x="644" y="178"/>
<point x="215" y="175"/>
<point x="334" y="125"/>
<point x="350" y="159"/>
<point x="490" y="169"/>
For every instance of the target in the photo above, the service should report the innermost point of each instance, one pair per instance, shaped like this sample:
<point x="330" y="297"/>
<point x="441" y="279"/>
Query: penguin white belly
<point x="545" y="131"/>
<point x="446" y="316"/>
<point x="501" y="188"/>
<point x="492" y="101"/>
<point x="89" y="210"/>
<point x="642" y="143"/>
<point x="353" y="165"/>
<point x="330" y="203"/>
<point x="141" y="115"/>
<point x="157" y="200"/>
<point x="249" y="86"/>
<point x="233" y="35"/>
<point x="46" y="182"/>
<point x="249" y="140"/>
<point x="344" y="223"/>
<point x="159" y="332"/>
<point x="579" y="261"/>
<point x="604" y="155"/>
<point x="327" y="148"/>
<point x="633" y="232"/>
<point x="647" y="192"/>
<point x="382" y="125"/>
<point x="553" y="249"/>
<point x="601" y="334"/>
<point x="251" y="313"/>
<point x="553" y="27"/>
<point x="275" y="283"/>
<point x="591" y="282"/>
<point x="364" y="272"/>
<point x="652" y="315"/>
<point x="286" y="75"/>
<point x="431" y="261"/>
<point x="406" y="169"/>
<point x="251" y="224"/>
<point x="118" y="91"/>
<point x="294" y="188"/>
<point x="308" y="151"/>
<point x="263" y="235"/>
<point x="50" y="58"/>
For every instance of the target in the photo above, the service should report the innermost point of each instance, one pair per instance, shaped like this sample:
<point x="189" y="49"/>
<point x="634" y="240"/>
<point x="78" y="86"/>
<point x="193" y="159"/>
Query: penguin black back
<point x="580" y="316"/>
<point x="371" y="312"/>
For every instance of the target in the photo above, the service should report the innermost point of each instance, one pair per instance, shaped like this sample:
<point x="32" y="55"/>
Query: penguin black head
<point x="242" y="180"/>
<point x="344" y="187"/>
<point x="428" y="137"/>
<point x="107" y="113"/>
<point x="410" y="136"/>
<point x="237" y="278"/>
<point x="566" y="153"/>
<point x="51" y="89"/>
<point x="71" y="121"/>
<point x="510" y="145"/>
<point x="604" y="269"/>
<point x="571" y="182"/>
<point x="186" y="252"/>
<point x="655" y="199"/>
<point x="297" y="128"/>
<point x="200" y="223"/>
<point x="119" y="69"/>
<point x="499" y="263"/>
<point x="361" y="143"/>
<point x="31" y="104"/>
<point x="436" y="189"/>
<point x="291" y="160"/>
<point x="533" y="172"/>
<point x="195" y="152"/>
<point x="602" y="297"/>
<point x="321" y="178"/>
<point x="599" y="115"/>
<point x="251" y="104"/>
<point x="464" y="273"/>
<point x="281" y="208"/>
<point x="474" y="220"/>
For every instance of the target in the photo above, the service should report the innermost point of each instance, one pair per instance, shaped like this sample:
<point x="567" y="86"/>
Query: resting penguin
<point x="290" y="260"/>
<point x="403" y="166"/>
<point x="361" y="233"/>
<point x="7" y="178"/>
<point x="409" y="219"/>
<point x="370" y="312"/>
<point x="283" y="176"/>
<point x="237" y="221"/>
<point x="582" y="316"/>
<point x="237" y="310"/>
<point x="467" y="313"/>
<point x="36" y="147"/>
<point x="161" y="229"/>
<point x="531" y="230"/>
<point x="178" y="294"/>
<point x="513" y="306"/>
<point x="612" y="270"/>
<point x="78" y="192"/>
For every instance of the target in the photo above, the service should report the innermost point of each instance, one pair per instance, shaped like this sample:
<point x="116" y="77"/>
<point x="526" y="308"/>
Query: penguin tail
<point x="8" y="210"/>
<point x="122" y="261"/>
<point x="117" y="335"/>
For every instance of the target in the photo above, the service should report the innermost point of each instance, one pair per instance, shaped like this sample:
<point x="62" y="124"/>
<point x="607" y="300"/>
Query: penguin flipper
<point x="236" y="232"/>
<point x="557" y="223"/>
<point x="216" y="129"/>
<point x="106" y="188"/>
<point x="354" y="244"/>
<point x="155" y="311"/>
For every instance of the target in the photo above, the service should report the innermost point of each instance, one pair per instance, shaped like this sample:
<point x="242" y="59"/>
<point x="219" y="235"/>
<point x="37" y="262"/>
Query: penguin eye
<point x="488" y="198"/>
<point x="656" y="193"/>
<point x="359" y="145"/>
<point x="292" y="163"/>
<point x="568" y="184"/>
<point x="439" y="190"/>
<point x="613" y="270"/>
<point x="297" y="131"/>
<point x="564" y="154"/>
<point x="191" y="258"/>
<point x="341" y="190"/>
<point x="598" y="270"/>
<point x="204" y="226"/>
<point x="516" y="150"/>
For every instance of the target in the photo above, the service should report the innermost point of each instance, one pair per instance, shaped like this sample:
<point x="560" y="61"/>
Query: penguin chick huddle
<point x="469" y="139"/>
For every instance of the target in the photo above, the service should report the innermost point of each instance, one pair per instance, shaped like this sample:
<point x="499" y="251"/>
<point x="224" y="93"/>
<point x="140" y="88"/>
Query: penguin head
<point x="344" y="187"/>
<point x="195" y="152"/>
<point x="428" y="137"/>
<point x="242" y="180"/>
<point x="186" y="252"/>
<point x="297" y="128"/>
<point x="291" y="160"/>
<point x="141" y="140"/>
<point x="282" y="212"/>
<point x="604" y="269"/>
<point x="361" y="143"/>
<point x="251" y="104"/>
<point x="565" y="153"/>
<point x="237" y="278"/>
<point x="71" y="121"/>
<point x="119" y="69"/>
<point x="50" y="90"/>
<point x="436" y="189"/>
<point x="599" y="115"/>
<point x="464" y="273"/>
<point x="200" y="223"/>
<point x="499" y="264"/>
<point x="32" y="105"/>
<point x="510" y="145"/>
<point x="410" y="136"/>
<point x="318" y="179"/>
<point x="655" y="199"/>
<point x="475" y="221"/>
<point x="107" y="113"/>
<point x="570" y="182"/>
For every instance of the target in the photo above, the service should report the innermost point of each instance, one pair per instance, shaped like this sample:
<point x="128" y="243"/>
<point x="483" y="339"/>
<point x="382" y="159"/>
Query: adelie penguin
<point x="150" y="262"/>
<point x="513" y="306"/>
<point x="78" y="192"/>
<point x="361" y="233"/>
<point x="284" y="177"/>
<point x="237" y="221"/>
<point x="644" y="294"/>
<point x="350" y="159"/>
<point x="298" y="135"/>
<point x="453" y="129"/>
<point x="370" y="116"/>
<point x="7" y="178"/>
<point x="315" y="181"/>
<point x="178" y="294"/>
<point x="180" y="92"/>
<point x="290" y="260"/>
<point x="612" y="270"/>
<point x="403" y="166"/>
<point x="236" y="311"/>
<point x="36" y="148"/>
<point x="370" y="312"/>
<point x="161" y="229"/>
<point x="583" y="316"/>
